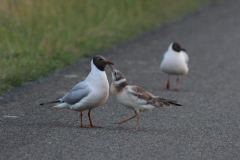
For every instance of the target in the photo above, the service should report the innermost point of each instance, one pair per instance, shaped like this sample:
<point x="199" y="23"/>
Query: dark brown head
<point x="100" y="62"/>
<point x="177" y="47"/>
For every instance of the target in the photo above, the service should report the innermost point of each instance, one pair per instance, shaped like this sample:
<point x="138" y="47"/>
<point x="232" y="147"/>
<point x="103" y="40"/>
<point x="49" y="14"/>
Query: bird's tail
<point x="62" y="106"/>
<point x="57" y="101"/>
<point x="167" y="102"/>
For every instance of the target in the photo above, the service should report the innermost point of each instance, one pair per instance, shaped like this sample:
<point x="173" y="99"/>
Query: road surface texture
<point x="207" y="126"/>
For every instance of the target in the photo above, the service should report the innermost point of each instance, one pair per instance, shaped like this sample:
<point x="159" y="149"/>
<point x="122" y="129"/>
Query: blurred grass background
<point x="40" y="36"/>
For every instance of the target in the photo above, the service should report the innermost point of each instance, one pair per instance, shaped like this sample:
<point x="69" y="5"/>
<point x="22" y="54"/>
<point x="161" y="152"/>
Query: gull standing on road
<point x="134" y="97"/>
<point x="175" y="62"/>
<point x="90" y="93"/>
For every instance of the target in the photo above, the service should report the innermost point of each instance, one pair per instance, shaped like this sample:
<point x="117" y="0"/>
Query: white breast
<point x="174" y="63"/>
<point x="127" y="100"/>
<point x="99" y="90"/>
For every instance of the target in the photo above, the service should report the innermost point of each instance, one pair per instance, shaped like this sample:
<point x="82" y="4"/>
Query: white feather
<point x="120" y="81"/>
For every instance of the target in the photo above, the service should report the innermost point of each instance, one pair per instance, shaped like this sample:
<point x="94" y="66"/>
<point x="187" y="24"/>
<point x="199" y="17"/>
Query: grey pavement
<point x="207" y="126"/>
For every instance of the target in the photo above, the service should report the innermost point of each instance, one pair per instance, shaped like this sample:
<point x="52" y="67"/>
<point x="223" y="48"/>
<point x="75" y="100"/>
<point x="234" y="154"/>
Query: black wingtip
<point x="57" y="101"/>
<point x="174" y="103"/>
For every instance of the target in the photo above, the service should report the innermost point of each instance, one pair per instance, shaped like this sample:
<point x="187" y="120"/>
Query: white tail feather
<point x="62" y="106"/>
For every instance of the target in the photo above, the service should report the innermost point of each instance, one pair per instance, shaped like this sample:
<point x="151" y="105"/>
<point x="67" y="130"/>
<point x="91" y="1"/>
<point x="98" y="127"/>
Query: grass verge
<point x="40" y="36"/>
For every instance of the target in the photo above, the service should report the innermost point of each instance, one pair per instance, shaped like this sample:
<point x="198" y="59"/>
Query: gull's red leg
<point x="128" y="119"/>
<point x="89" y="116"/>
<point x="82" y="126"/>
<point x="168" y="82"/>
<point x="137" y="121"/>
<point x="176" y="89"/>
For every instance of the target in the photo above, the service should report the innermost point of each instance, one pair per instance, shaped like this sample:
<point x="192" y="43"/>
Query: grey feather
<point x="77" y="93"/>
<point x="80" y="85"/>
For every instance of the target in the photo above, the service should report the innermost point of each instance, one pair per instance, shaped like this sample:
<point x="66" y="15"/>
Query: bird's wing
<point x="80" y="85"/>
<point x="146" y="98"/>
<point x="78" y="92"/>
<point x="185" y="56"/>
<point x="143" y="96"/>
<point x="167" y="102"/>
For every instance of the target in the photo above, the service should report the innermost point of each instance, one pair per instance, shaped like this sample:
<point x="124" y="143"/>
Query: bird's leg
<point x="89" y="116"/>
<point x="177" y="84"/>
<point x="82" y="126"/>
<point x="137" y="121"/>
<point x="168" y="82"/>
<point x="128" y="119"/>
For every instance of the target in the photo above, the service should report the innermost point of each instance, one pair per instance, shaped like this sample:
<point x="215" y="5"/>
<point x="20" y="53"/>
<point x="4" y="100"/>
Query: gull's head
<point x="175" y="46"/>
<point x="117" y="76"/>
<point x="100" y="62"/>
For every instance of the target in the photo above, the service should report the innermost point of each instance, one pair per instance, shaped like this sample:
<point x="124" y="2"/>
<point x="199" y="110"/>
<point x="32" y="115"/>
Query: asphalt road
<point x="207" y="126"/>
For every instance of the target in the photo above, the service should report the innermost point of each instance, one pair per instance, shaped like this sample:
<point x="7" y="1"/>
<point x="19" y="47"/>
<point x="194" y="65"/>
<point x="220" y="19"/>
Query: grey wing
<point x="77" y="93"/>
<point x="80" y="85"/>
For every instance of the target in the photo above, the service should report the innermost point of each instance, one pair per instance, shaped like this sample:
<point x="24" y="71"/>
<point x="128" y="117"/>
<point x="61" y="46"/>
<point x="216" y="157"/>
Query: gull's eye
<point x="99" y="59"/>
<point x="115" y="73"/>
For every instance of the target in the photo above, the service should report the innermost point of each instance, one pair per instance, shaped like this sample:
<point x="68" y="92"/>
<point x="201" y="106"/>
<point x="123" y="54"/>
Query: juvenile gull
<point x="90" y="93"/>
<point x="134" y="97"/>
<point x="175" y="62"/>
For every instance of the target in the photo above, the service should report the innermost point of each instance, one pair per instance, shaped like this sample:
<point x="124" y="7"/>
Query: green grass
<point x="38" y="37"/>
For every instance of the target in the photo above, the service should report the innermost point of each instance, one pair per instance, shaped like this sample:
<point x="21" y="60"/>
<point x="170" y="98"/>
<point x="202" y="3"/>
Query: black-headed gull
<point x="175" y="62"/>
<point x="90" y="93"/>
<point x="134" y="97"/>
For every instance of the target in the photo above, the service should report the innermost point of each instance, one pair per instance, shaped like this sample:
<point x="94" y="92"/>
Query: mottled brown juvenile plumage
<point x="120" y="87"/>
<point x="150" y="99"/>
<point x="134" y="97"/>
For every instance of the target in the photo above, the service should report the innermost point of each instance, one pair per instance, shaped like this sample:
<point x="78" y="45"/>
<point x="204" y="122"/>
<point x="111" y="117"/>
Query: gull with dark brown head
<point x="134" y="97"/>
<point x="90" y="93"/>
<point x="175" y="62"/>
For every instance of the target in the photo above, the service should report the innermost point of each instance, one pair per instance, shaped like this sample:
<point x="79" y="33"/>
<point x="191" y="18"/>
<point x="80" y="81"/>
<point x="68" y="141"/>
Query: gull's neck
<point x="96" y="73"/>
<point x="170" y="47"/>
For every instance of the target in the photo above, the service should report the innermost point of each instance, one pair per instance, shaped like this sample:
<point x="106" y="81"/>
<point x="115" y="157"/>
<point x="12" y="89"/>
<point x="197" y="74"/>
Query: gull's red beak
<point x="108" y="62"/>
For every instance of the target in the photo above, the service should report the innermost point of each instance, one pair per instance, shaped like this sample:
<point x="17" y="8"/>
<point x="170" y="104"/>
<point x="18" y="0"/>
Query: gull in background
<point x="175" y="62"/>
<point x="134" y="97"/>
<point x="90" y="93"/>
